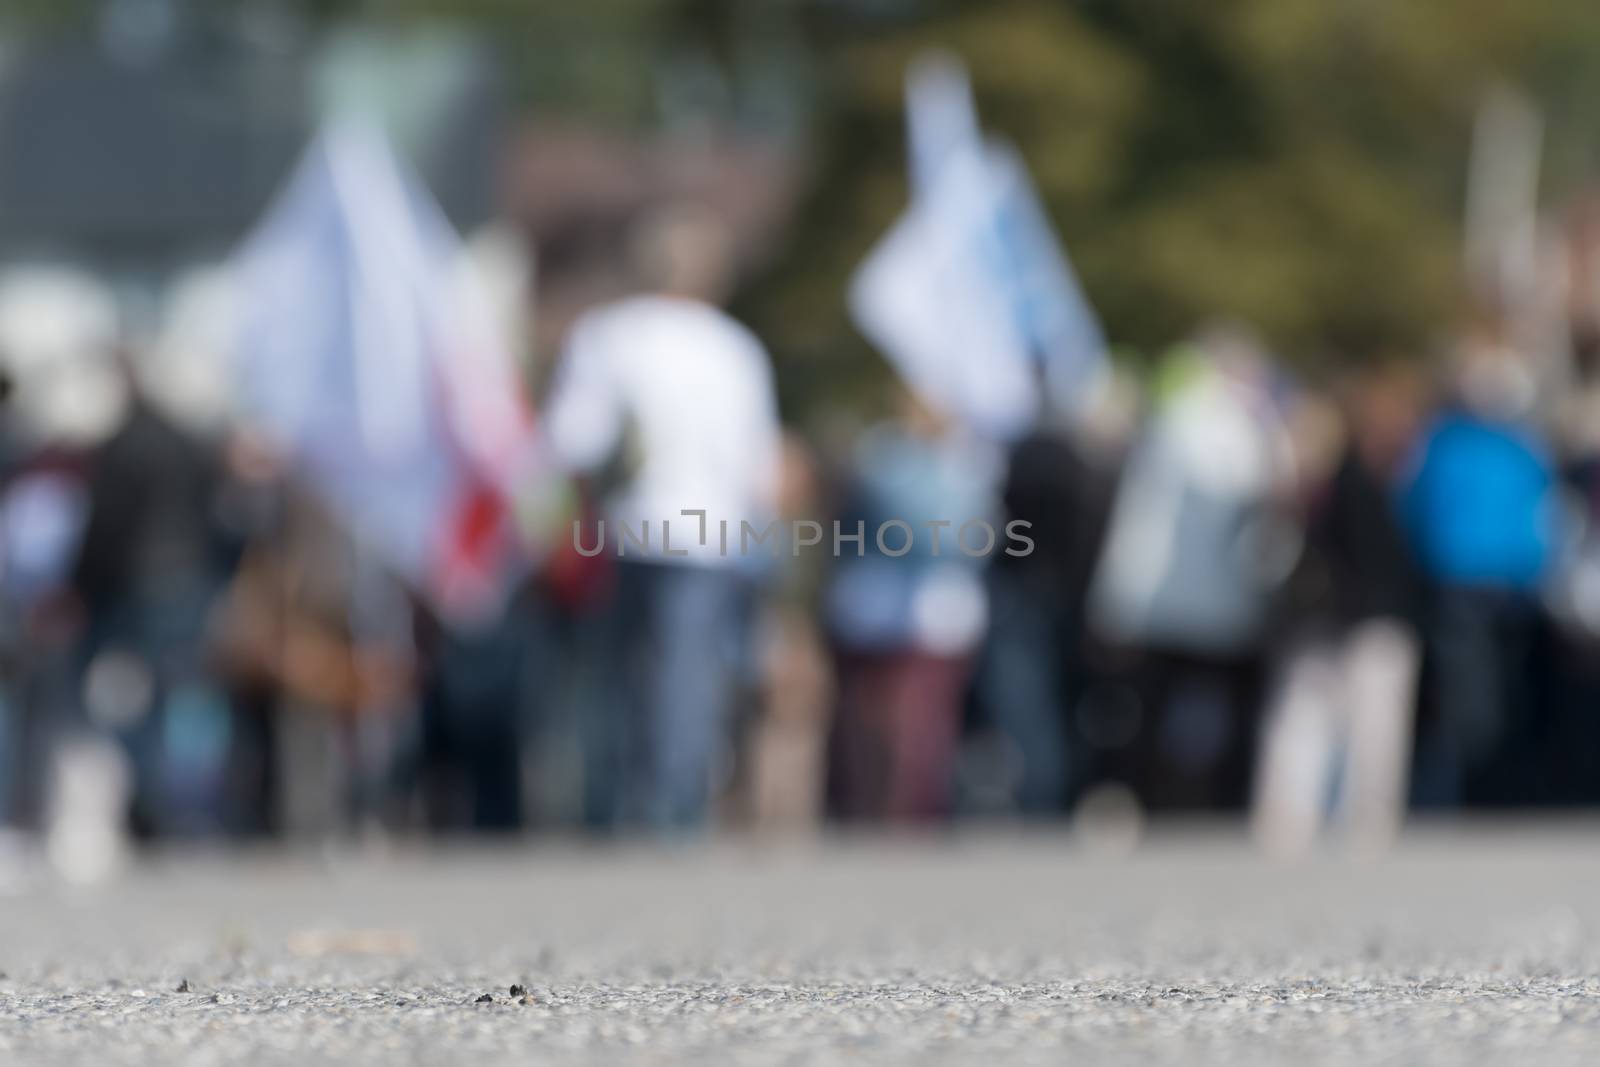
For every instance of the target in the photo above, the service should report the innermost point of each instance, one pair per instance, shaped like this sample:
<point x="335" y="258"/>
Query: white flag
<point x="363" y="350"/>
<point x="927" y="298"/>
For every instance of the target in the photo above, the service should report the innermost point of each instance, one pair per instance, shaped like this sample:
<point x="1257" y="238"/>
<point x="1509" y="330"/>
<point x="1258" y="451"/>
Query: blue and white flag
<point x="969" y="294"/>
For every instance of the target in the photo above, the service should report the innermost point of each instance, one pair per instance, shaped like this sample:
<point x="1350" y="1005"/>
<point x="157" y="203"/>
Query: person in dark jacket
<point x="1032" y="671"/>
<point x="1336" y="743"/>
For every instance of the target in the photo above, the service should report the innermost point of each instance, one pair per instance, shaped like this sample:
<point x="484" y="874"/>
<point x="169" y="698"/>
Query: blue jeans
<point x="675" y="645"/>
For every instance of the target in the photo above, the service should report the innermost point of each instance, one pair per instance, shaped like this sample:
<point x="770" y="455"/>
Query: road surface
<point x="1463" y="945"/>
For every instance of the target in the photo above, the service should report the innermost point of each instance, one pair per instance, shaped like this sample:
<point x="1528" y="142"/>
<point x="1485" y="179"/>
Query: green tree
<point x="1295" y="163"/>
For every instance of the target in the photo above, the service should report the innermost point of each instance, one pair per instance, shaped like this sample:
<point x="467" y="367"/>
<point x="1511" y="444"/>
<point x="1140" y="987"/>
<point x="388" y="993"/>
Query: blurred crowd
<point x="1208" y="584"/>
<point x="1334" y="599"/>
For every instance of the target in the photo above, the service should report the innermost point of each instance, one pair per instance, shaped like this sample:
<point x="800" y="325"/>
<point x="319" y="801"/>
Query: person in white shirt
<point x="675" y="399"/>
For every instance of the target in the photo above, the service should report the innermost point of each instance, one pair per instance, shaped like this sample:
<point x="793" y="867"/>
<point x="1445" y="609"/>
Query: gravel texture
<point x="1463" y="945"/>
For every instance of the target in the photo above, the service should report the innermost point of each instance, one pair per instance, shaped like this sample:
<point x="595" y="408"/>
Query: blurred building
<point x="153" y="143"/>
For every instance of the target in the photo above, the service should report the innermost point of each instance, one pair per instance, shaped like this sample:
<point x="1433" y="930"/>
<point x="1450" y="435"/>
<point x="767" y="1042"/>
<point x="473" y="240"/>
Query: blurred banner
<point x="1503" y="197"/>
<point x="969" y="294"/>
<point x="368" y="352"/>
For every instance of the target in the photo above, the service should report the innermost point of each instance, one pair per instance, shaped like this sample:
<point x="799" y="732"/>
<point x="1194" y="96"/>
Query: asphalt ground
<point x="1464" y="944"/>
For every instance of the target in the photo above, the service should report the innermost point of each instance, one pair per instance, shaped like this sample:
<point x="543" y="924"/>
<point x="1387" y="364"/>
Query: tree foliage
<point x="1296" y="164"/>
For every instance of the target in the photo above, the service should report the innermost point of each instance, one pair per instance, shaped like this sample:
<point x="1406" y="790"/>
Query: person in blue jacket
<point x="1481" y="507"/>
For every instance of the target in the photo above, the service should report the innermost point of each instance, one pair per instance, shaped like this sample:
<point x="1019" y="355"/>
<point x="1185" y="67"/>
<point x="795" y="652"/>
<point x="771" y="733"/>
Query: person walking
<point x="667" y="405"/>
